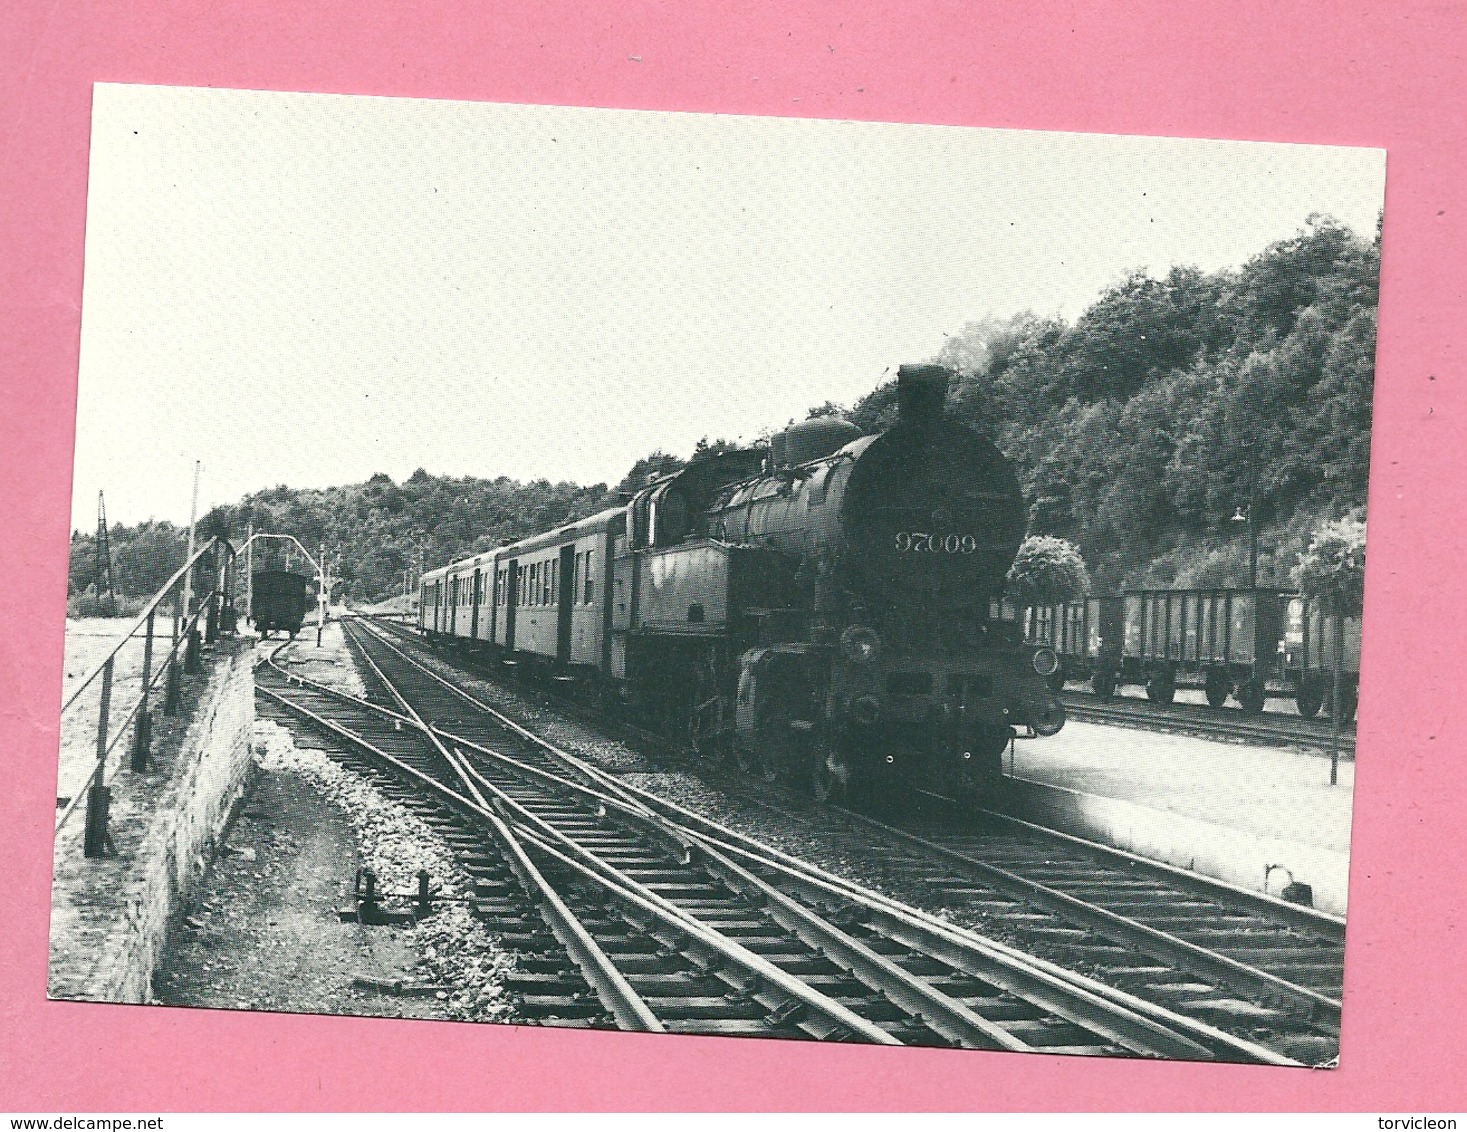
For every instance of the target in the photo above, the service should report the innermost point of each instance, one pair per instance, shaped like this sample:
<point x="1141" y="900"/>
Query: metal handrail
<point x="99" y="766"/>
<point x="148" y="610"/>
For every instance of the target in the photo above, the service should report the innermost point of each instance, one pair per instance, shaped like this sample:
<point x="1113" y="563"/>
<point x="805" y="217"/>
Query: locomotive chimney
<point x="921" y="394"/>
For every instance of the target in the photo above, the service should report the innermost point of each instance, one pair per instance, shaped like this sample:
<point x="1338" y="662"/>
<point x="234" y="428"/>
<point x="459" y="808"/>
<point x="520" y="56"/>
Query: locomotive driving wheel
<point x="703" y="715"/>
<point x="758" y="761"/>
<point x="830" y="778"/>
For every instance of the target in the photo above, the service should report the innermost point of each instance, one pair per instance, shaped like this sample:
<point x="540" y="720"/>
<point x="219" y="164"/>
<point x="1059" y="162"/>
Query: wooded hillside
<point x="1138" y="430"/>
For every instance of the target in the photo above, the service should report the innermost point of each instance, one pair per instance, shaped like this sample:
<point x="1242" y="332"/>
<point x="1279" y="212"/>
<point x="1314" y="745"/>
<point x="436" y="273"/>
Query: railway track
<point x="1265" y="970"/>
<point x="633" y="918"/>
<point x="1272" y="728"/>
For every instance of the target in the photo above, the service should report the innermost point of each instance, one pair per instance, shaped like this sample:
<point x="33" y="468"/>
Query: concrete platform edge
<point x="1237" y="856"/>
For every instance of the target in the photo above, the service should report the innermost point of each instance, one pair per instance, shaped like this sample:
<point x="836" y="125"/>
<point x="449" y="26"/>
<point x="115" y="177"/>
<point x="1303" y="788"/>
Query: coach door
<point x="512" y="599"/>
<point x="565" y="601"/>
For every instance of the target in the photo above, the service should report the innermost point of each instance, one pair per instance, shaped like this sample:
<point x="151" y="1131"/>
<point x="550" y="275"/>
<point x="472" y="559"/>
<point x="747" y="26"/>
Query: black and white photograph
<point x="711" y="575"/>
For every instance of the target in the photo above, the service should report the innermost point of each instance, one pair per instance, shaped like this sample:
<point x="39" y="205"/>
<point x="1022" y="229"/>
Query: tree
<point x="706" y="448"/>
<point x="1047" y="570"/>
<point x="657" y="463"/>
<point x="1331" y="571"/>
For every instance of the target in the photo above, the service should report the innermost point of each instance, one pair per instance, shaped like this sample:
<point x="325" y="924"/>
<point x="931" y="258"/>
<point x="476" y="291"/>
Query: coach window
<point x="590" y="585"/>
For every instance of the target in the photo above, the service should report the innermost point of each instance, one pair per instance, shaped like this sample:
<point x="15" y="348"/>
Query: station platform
<point x="1223" y="809"/>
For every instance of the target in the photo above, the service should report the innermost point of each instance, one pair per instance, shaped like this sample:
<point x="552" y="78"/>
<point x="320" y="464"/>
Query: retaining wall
<point x="110" y="916"/>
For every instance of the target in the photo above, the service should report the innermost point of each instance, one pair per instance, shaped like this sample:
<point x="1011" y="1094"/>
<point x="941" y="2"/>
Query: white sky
<point x="307" y="289"/>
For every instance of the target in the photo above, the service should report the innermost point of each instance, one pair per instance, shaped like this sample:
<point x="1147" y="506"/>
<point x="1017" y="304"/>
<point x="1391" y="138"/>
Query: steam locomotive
<point x="828" y="609"/>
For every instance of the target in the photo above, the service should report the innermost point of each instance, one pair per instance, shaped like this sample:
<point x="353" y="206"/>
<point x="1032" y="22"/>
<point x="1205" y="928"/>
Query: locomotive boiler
<point x="829" y="610"/>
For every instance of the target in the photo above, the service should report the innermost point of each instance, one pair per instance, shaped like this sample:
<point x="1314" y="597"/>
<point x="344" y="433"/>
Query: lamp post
<point x="1249" y="517"/>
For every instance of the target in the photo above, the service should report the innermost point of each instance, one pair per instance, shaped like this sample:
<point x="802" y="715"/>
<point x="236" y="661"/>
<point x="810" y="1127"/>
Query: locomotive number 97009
<point x="924" y="542"/>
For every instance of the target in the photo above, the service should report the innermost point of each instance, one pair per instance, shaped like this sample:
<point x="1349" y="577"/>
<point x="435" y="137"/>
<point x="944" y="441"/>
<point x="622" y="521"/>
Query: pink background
<point x="1384" y="74"/>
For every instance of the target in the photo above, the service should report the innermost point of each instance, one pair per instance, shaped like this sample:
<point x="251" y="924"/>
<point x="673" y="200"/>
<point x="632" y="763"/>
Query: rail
<point x="96" y="841"/>
<point x="1127" y="1021"/>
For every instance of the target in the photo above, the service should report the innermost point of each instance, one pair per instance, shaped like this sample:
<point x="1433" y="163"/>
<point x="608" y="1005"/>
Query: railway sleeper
<point x="652" y="984"/>
<point x="733" y="1028"/>
<point x="1045" y="1033"/>
<point x="536" y="939"/>
<point x="557" y="1006"/>
<point x="1227" y="1011"/>
<point x="498" y="911"/>
<point x="996" y="1008"/>
<point x="536" y="963"/>
<point x="675" y="1007"/>
<point x="1284" y="955"/>
<point x="1170" y="916"/>
<point x="527" y="982"/>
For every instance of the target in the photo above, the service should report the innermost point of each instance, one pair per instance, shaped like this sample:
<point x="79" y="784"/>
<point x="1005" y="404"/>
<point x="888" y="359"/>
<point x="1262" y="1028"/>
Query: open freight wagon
<point x="1248" y="644"/>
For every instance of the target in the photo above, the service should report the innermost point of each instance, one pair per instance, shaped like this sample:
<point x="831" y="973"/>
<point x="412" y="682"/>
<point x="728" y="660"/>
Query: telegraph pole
<point x="188" y="577"/>
<point x="104" y="549"/>
<point x="1251" y="515"/>
<point x="321" y="595"/>
<point x="250" y="571"/>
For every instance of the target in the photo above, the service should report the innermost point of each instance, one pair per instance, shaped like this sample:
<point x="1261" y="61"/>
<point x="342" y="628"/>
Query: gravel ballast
<point x="787" y="821"/>
<point x="453" y="948"/>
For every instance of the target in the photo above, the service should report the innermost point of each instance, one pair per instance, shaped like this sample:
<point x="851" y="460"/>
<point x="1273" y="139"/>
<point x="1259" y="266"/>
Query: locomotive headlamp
<point x="860" y="644"/>
<point x="1045" y="661"/>
<point x="867" y="710"/>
